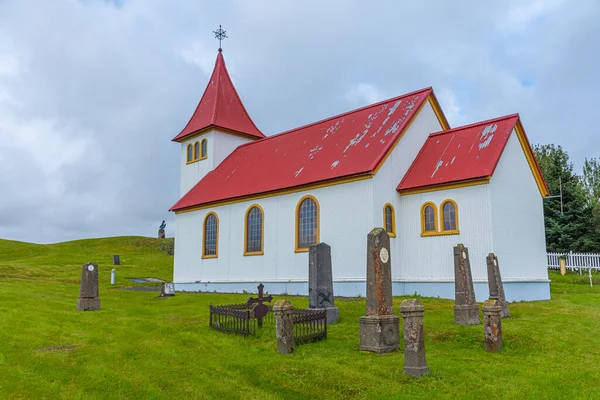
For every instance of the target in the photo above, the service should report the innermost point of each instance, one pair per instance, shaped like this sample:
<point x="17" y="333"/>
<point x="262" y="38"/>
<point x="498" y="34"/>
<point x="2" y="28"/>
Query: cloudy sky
<point x="92" y="91"/>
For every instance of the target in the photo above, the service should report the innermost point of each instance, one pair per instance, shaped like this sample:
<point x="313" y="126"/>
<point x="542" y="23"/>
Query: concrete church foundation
<point x="515" y="290"/>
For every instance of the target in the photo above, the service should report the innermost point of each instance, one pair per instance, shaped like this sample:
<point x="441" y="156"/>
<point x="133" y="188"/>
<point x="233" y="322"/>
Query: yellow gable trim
<point x="427" y="189"/>
<point x="539" y="180"/>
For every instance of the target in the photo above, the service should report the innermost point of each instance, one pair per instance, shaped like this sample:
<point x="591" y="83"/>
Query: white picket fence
<point x="575" y="261"/>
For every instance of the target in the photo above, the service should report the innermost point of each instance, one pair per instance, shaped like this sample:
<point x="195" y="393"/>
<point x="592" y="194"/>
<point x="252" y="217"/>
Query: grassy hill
<point x="141" y="347"/>
<point x="61" y="262"/>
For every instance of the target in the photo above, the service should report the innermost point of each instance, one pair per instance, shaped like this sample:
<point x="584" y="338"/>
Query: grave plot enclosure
<point x="310" y="325"/>
<point x="237" y="318"/>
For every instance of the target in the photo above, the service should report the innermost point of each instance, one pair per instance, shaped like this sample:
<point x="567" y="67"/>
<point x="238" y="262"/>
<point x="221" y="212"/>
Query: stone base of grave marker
<point x="379" y="333"/>
<point x="88" y="304"/>
<point x="467" y="314"/>
<point x="333" y="314"/>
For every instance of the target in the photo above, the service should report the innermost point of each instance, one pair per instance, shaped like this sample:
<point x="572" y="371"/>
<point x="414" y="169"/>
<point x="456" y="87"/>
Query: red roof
<point x="346" y="145"/>
<point x="220" y="107"/>
<point x="461" y="154"/>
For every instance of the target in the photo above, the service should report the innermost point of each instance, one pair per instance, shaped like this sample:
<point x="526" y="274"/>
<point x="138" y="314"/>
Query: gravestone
<point x="284" y="326"/>
<point x="260" y="310"/>
<point x="167" y="289"/>
<point x="116" y="259"/>
<point x="88" y="292"/>
<point x="466" y="311"/>
<point x="320" y="281"/>
<point x="379" y="328"/>
<point x="495" y="284"/>
<point x="492" y="325"/>
<point x="414" y="338"/>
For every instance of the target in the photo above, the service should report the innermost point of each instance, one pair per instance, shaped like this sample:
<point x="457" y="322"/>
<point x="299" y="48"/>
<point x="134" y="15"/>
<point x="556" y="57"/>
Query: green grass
<point x="142" y="347"/>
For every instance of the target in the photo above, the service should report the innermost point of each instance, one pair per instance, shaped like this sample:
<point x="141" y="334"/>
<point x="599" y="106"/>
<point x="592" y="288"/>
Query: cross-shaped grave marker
<point x="260" y="310"/>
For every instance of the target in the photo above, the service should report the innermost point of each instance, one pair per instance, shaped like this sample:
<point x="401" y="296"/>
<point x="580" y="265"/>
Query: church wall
<point x="431" y="258"/>
<point x="219" y="146"/>
<point x="518" y="217"/>
<point x="345" y="219"/>
<point x="393" y="170"/>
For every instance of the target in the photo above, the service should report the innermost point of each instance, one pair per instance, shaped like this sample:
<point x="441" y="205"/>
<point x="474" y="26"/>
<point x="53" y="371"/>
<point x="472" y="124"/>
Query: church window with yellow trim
<point x="196" y="150"/>
<point x="210" y="237"/>
<point x="307" y="223"/>
<point x="204" y="146"/>
<point x="389" y="219"/>
<point x="428" y="219"/>
<point x="449" y="216"/>
<point x="190" y="155"/>
<point x="254" y="230"/>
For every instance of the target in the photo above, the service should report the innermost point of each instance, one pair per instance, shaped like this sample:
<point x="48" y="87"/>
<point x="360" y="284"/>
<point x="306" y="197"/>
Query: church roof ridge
<point x="301" y="127"/>
<point x="212" y="111"/>
<point x="474" y="124"/>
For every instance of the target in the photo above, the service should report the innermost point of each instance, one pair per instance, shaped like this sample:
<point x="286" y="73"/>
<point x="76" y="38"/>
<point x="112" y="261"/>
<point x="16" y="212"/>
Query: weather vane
<point x="220" y="34"/>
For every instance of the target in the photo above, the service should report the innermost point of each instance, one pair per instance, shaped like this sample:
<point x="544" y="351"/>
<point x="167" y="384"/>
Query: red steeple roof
<point x="220" y="107"/>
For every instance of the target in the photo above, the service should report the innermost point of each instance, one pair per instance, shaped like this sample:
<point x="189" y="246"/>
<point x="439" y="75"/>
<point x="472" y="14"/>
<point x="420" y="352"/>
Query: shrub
<point x="168" y="246"/>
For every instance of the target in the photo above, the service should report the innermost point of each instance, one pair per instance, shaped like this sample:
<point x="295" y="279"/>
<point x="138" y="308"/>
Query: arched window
<point x="450" y="215"/>
<point x="210" y="238"/>
<point x="428" y="219"/>
<point x="254" y="231"/>
<point x="307" y="223"/>
<point x="204" y="148"/>
<point x="189" y="153"/>
<point x="196" y="150"/>
<point x="389" y="219"/>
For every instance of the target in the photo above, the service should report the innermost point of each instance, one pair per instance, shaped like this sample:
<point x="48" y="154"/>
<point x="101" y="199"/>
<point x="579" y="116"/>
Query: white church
<point x="251" y="205"/>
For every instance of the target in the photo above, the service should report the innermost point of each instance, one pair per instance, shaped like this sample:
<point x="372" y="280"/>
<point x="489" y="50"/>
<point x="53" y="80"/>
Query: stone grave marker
<point x="320" y="281"/>
<point x="414" y="338"/>
<point x="379" y="328"/>
<point x="492" y="325"/>
<point x="495" y="284"/>
<point x="88" y="292"/>
<point x="466" y="311"/>
<point x="116" y="259"/>
<point x="284" y="326"/>
<point x="167" y="289"/>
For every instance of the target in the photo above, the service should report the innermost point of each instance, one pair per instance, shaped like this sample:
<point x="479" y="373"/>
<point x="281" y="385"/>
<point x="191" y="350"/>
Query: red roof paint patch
<point x="346" y="145"/>
<point x="220" y="107"/>
<point x="460" y="154"/>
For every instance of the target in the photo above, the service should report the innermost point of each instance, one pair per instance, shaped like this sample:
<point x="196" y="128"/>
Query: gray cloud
<point x="91" y="91"/>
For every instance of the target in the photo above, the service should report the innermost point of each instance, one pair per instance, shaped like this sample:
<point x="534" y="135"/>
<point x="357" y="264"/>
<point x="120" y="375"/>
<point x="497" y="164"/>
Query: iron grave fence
<point x="310" y="325"/>
<point x="237" y="318"/>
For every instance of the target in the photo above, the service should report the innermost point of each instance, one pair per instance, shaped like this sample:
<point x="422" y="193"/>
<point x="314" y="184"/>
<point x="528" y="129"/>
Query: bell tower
<point x="219" y="124"/>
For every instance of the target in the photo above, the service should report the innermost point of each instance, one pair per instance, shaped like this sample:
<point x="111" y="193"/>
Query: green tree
<point x="570" y="229"/>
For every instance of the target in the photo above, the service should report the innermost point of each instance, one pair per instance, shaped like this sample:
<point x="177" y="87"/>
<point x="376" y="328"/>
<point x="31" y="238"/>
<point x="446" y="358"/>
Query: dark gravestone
<point x="379" y="328"/>
<point x="466" y="311"/>
<point x="414" y="338"/>
<point x="116" y="260"/>
<point x="495" y="284"/>
<point x="320" y="281"/>
<point x="260" y="310"/>
<point x="88" y="293"/>
<point x="284" y="326"/>
<point x="492" y="325"/>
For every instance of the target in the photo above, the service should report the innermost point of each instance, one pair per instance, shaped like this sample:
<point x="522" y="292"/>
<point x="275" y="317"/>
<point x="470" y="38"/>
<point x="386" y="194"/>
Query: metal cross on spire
<point x="220" y="34"/>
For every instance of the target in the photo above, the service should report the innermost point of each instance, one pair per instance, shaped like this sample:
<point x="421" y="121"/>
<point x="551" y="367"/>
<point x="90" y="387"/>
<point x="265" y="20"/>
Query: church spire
<point x="220" y="106"/>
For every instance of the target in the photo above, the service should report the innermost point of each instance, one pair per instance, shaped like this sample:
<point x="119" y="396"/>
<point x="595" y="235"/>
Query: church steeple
<point x="220" y="107"/>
